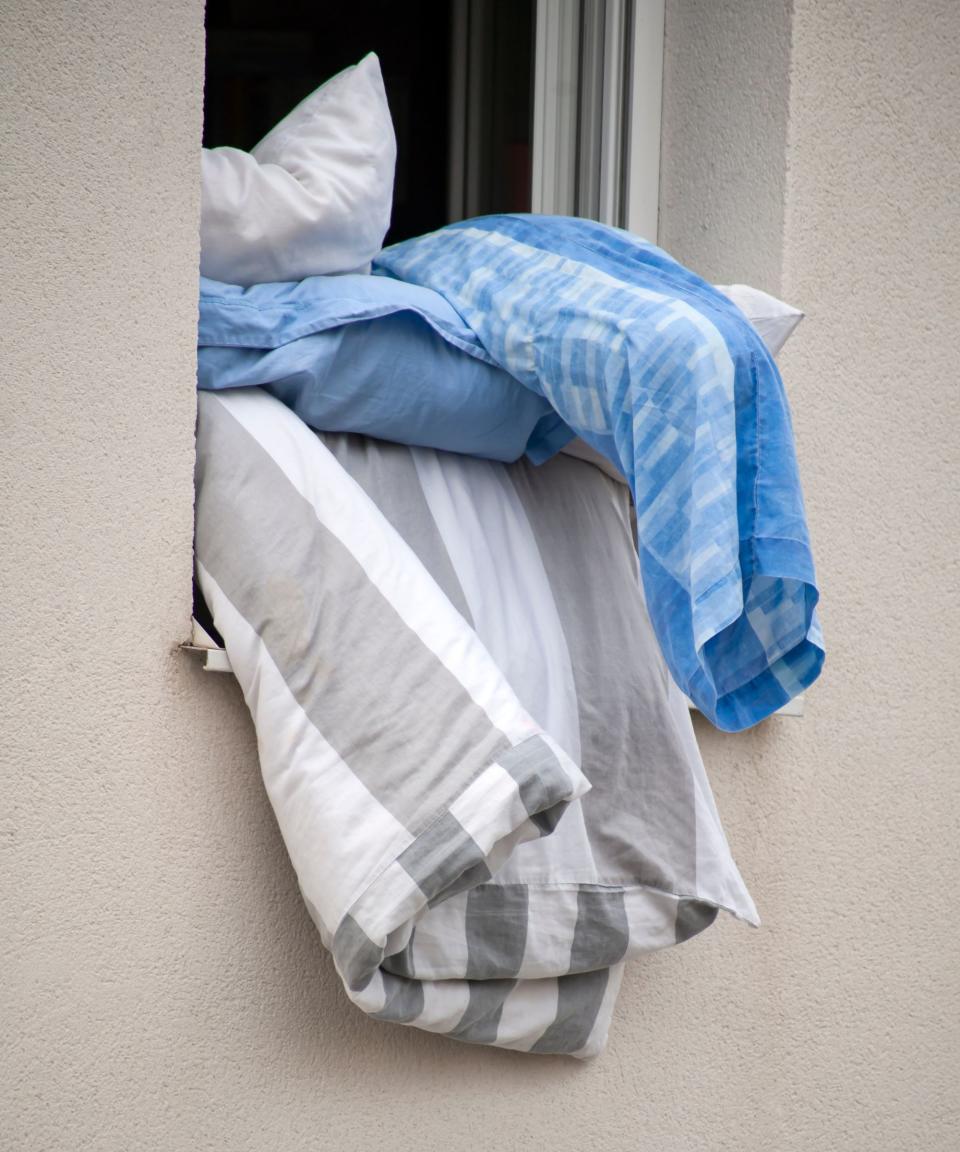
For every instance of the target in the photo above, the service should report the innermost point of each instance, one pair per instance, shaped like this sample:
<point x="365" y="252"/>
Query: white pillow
<point x="773" y="319"/>
<point x="313" y="197"/>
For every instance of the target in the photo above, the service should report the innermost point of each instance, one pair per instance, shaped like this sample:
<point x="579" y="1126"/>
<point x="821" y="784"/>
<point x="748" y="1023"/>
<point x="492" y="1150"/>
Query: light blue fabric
<point x="657" y="370"/>
<point x="372" y="355"/>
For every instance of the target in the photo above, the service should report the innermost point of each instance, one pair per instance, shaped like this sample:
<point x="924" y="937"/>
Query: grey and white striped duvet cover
<point x="487" y="783"/>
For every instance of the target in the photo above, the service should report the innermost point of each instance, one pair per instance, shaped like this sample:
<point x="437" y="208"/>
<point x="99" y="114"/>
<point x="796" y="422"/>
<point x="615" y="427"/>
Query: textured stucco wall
<point x="726" y="79"/>
<point x="872" y="255"/>
<point x="847" y="821"/>
<point x="162" y="987"/>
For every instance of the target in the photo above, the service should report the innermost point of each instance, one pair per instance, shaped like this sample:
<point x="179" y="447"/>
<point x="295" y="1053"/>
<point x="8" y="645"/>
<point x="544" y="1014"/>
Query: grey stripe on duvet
<point x="403" y="999"/>
<point x="693" y="916"/>
<point x="496" y="925"/>
<point x="641" y="815"/>
<point x="601" y="935"/>
<point x="361" y="675"/>
<point x="441" y="856"/>
<point x="481" y="1020"/>
<point x="388" y="475"/>
<point x="579" y="999"/>
<point x="357" y="956"/>
<point x="442" y="861"/>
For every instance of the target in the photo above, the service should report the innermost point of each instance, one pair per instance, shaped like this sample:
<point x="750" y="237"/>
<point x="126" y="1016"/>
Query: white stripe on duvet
<point x="440" y="941"/>
<point x="506" y="587"/>
<point x="551" y="922"/>
<point x="317" y="799"/>
<point x="444" y="1003"/>
<point x="474" y="503"/>
<point x="527" y="1012"/>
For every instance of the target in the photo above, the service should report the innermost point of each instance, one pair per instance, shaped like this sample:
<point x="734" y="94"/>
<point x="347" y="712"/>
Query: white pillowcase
<point x="313" y="197"/>
<point x="773" y="319"/>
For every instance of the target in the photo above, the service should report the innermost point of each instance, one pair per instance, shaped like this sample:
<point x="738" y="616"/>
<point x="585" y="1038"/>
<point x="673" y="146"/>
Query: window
<point x="499" y="105"/>
<point x="596" y="134"/>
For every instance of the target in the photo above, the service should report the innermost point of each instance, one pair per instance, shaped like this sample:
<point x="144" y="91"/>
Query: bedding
<point x="662" y="374"/>
<point x="647" y="364"/>
<point x="369" y="354"/>
<point x="774" y="320"/>
<point x="313" y="197"/>
<point x="395" y="361"/>
<point x="486" y="780"/>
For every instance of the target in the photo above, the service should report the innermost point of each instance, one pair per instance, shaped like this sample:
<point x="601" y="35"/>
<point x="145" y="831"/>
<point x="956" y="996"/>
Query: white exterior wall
<point x="162" y="986"/>
<point x="723" y="155"/>
<point x="847" y="822"/>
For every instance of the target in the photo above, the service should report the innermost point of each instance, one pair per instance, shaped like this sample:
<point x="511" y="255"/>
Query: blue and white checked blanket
<point x="662" y="374"/>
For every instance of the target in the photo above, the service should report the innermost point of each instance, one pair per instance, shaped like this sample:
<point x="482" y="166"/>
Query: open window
<point x="498" y="105"/>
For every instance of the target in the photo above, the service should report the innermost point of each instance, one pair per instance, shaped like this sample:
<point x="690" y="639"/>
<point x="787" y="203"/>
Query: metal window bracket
<point x="201" y="643"/>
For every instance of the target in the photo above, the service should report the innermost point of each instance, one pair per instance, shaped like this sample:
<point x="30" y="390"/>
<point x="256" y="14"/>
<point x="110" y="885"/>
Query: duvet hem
<point x="520" y="796"/>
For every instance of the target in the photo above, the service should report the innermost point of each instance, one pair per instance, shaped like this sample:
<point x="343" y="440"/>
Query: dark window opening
<point x="458" y="75"/>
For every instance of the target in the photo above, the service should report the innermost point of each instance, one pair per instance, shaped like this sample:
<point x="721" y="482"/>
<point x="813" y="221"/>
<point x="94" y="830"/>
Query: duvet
<point x="486" y="780"/>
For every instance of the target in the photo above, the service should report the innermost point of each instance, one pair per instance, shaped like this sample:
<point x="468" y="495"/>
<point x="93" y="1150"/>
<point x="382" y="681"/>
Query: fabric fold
<point x="489" y="790"/>
<point x="519" y="797"/>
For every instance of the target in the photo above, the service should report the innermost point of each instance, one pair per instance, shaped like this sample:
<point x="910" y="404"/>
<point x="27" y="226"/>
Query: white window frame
<point x="598" y="78"/>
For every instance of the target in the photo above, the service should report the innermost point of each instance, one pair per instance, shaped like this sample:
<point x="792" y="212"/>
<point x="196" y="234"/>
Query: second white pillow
<point x="772" y="318"/>
<point x="313" y="197"/>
